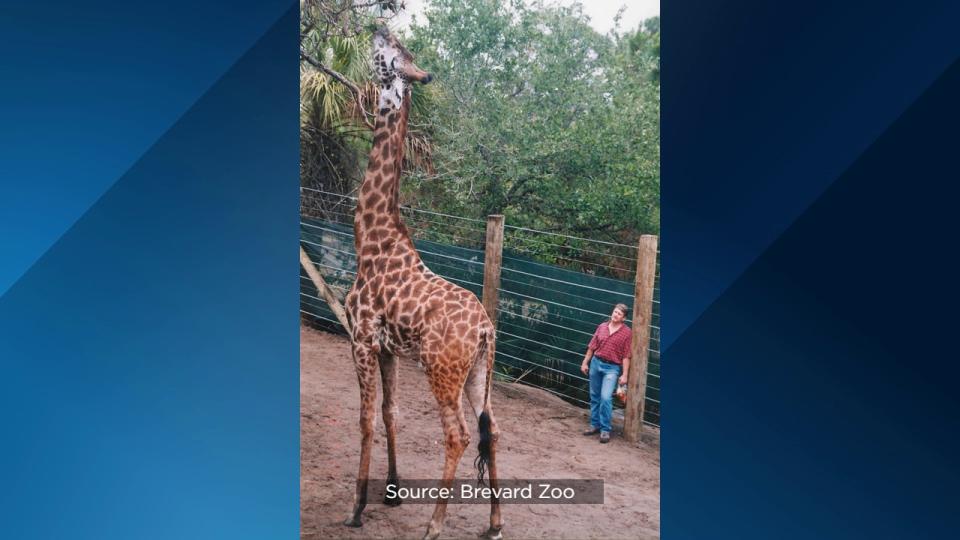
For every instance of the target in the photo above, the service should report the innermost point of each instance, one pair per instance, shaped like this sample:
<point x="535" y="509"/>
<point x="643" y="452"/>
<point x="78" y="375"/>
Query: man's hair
<point x="623" y="308"/>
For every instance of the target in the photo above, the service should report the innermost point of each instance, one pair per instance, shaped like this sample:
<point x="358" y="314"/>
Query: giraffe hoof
<point x="353" y="521"/>
<point x="492" y="534"/>
<point x="432" y="533"/>
<point x="390" y="498"/>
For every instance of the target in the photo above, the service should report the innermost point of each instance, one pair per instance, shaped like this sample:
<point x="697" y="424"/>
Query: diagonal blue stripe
<point x="752" y="134"/>
<point x="87" y="89"/>
<point x="681" y="329"/>
<point x="150" y="366"/>
<point x="819" y="391"/>
<point x="711" y="292"/>
<point x="11" y="273"/>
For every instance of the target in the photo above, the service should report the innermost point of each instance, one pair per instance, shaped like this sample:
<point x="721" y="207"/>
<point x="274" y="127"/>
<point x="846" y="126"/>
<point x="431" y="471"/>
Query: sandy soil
<point x="540" y="439"/>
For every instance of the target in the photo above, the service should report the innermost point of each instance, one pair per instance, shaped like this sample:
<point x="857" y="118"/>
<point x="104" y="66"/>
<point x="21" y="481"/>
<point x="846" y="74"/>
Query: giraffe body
<point x="398" y="308"/>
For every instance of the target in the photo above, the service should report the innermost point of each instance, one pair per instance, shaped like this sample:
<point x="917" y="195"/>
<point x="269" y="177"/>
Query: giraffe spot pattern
<point x="397" y="306"/>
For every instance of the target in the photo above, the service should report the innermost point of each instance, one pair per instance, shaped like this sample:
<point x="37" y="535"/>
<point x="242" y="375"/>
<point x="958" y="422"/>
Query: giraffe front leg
<point x="365" y="360"/>
<point x="388" y="375"/>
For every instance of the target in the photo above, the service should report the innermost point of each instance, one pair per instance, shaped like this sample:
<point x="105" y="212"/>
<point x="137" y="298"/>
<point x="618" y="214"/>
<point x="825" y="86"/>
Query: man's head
<point x="619" y="313"/>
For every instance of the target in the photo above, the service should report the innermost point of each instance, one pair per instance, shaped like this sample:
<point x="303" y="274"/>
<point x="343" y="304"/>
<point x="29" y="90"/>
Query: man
<point x="608" y="362"/>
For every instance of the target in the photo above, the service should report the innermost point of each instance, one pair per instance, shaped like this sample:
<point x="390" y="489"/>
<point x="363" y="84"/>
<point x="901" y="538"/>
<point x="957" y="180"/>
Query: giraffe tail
<point x="483" y="455"/>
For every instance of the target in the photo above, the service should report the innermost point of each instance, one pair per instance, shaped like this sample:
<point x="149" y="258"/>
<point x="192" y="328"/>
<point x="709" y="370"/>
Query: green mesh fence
<point x="546" y="315"/>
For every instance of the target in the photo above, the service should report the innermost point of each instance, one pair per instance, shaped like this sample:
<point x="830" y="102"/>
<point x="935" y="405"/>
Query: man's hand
<point x="584" y="367"/>
<point x="623" y="379"/>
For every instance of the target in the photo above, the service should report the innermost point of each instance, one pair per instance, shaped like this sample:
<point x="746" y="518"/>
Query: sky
<point x="601" y="12"/>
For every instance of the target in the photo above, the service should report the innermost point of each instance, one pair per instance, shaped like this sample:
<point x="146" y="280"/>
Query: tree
<point x="336" y="93"/>
<point x="532" y="114"/>
<point x="542" y="119"/>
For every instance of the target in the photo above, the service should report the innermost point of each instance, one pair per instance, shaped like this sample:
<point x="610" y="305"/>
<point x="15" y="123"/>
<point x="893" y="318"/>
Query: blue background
<point x="148" y="317"/>
<point x="809" y="285"/>
<point x="149" y="309"/>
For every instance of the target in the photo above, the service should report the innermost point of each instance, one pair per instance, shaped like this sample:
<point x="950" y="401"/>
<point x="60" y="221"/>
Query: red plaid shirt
<point x="612" y="348"/>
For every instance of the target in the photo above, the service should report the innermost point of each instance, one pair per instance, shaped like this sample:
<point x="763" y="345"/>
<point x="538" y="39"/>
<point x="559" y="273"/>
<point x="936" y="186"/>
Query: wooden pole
<point x="325" y="291"/>
<point x="640" y="340"/>
<point x="492" y="260"/>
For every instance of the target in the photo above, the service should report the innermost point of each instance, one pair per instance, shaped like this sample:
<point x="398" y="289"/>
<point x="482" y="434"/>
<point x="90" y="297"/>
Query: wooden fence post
<point x="325" y="291"/>
<point x="640" y="340"/>
<point x="492" y="260"/>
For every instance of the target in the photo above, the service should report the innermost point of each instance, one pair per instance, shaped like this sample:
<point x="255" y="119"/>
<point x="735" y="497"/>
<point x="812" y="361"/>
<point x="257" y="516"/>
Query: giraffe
<point x="398" y="308"/>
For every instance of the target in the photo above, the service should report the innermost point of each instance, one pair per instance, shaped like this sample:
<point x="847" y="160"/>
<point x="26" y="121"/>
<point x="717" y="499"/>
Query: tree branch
<point x="357" y="95"/>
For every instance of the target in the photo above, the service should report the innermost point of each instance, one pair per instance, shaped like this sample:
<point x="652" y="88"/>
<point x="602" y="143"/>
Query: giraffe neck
<point x="380" y="193"/>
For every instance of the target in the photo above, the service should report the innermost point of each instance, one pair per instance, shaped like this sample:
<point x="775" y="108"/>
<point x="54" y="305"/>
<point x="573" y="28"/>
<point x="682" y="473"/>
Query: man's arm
<point x="626" y="360"/>
<point x="586" y="361"/>
<point x="590" y="348"/>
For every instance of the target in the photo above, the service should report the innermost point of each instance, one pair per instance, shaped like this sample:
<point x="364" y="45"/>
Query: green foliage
<point x="542" y="119"/>
<point x="532" y="114"/>
<point x="334" y="138"/>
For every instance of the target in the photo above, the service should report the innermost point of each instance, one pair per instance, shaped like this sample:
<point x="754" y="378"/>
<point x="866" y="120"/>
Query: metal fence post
<point x="640" y="340"/>
<point x="492" y="260"/>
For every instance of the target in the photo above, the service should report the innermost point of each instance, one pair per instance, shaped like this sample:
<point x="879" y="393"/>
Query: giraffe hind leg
<point x="456" y="439"/>
<point x="477" y="389"/>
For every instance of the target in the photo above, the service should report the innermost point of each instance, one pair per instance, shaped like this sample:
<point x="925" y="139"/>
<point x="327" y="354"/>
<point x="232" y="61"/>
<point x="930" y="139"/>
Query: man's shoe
<point x="591" y="431"/>
<point x="605" y="437"/>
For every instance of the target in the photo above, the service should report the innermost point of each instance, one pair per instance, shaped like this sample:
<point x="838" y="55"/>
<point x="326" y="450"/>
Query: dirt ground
<point x="540" y="438"/>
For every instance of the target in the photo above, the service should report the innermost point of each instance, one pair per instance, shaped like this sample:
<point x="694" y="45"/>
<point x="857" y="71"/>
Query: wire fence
<point x="555" y="289"/>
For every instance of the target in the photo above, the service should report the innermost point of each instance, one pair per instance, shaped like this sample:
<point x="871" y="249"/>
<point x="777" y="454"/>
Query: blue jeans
<point x="603" y="381"/>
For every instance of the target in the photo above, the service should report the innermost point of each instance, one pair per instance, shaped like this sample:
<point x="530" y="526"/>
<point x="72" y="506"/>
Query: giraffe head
<point x="395" y="69"/>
